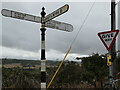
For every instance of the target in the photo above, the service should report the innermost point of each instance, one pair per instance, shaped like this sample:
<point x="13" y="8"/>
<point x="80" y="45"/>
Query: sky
<point x="22" y="39"/>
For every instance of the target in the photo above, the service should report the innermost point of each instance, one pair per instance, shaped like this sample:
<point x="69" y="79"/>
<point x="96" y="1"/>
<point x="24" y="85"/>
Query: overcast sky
<point x="21" y="39"/>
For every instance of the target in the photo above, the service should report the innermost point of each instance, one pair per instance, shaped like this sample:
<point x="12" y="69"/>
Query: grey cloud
<point x="20" y="35"/>
<point x="25" y="35"/>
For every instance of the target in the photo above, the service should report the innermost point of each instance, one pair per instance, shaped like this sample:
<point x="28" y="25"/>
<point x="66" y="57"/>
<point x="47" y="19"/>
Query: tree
<point x="68" y="76"/>
<point x="95" y="69"/>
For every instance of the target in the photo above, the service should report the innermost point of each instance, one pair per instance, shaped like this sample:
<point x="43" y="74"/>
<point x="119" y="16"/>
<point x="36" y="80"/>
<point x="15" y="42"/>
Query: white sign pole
<point x="49" y="23"/>
<point x="43" y="58"/>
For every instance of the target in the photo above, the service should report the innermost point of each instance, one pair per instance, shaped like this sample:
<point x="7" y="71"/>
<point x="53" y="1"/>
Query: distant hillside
<point x="26" y="62"/>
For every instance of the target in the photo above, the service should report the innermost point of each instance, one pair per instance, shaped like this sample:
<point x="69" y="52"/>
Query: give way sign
<point x="108" y="38"/>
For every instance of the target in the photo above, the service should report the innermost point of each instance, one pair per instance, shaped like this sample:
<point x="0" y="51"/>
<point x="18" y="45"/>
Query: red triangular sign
<point x="108" y="38"/>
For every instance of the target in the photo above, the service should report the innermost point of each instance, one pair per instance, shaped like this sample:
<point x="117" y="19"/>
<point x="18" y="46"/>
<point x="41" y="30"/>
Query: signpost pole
<point x="43" y="59"/>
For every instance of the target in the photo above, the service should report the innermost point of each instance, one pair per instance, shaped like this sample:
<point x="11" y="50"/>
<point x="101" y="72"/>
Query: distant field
<point x="26" y="63"/>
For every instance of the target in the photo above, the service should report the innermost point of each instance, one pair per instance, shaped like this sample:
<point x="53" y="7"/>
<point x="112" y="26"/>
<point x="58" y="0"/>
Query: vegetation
<point x="68" y="76"/>
<point x="95" y="69"/>
<point x="20" y="78"/>
<point x="91" y="72"/>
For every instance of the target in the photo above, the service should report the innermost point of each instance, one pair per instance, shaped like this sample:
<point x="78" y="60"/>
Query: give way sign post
<point x="108" y="39"/>
<point x="46" y="21"/>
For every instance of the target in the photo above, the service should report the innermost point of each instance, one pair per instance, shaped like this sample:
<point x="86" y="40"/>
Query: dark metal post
<point x="113" y="49"/>
<point x="43" y="59"/>
<point x="113" y="27"/>
<point x="110" y="75"/>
